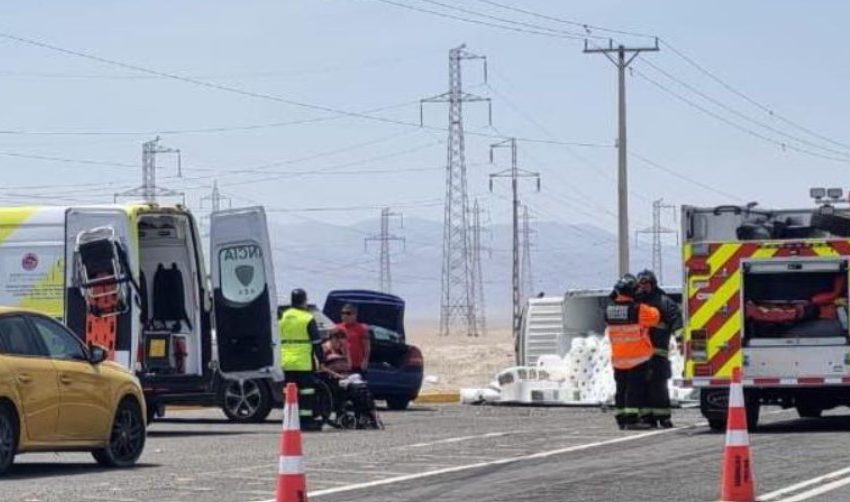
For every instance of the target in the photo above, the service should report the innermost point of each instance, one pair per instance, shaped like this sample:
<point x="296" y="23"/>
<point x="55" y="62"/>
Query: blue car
<point x="395" y="368"/>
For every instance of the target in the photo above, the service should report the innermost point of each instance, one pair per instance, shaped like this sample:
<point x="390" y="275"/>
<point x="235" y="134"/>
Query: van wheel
<point x="8" y="437"/>
<point x="246" y="401"/>
<point x="398" y="403"/>
<point x="127" y="439"/>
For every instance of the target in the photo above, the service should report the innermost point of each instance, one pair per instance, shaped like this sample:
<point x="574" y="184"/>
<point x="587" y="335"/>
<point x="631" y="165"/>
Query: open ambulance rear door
<point x="244" y="295"/>
<point x="100" y="258"/>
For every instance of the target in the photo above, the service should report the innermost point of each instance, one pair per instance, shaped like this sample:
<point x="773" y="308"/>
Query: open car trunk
<point x="384" y="313"/>
<point x="796" y="303"/>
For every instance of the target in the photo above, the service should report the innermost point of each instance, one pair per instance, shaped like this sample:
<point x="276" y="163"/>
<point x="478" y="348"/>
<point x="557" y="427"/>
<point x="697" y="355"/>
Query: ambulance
<point x="133" y="279"/>
<point x="766" y="290"/>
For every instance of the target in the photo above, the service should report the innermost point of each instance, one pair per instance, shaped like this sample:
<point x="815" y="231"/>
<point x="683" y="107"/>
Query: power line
<point x="770" y="111"/>
<point x="254" y="94"/>
<point x="587" y="27"/>
<point x="783" y="145"/>
<point x="683" y="177"/>
<point x="741" y="115"/>
<point x="476" y="21"/>
<point x="566" y="34"/>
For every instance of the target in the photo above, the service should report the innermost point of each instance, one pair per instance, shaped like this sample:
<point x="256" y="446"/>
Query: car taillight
<point x="413" y="359"/>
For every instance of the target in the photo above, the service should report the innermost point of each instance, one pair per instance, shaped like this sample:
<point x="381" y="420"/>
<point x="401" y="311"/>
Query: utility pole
<point x="385" y="278"/>
<point x="457" y="305"/>
<point x="215" y="198"/>
<point x="477" y="248"/>
<point x="525" y="274"/>
<point x="657" y="230"/>
<point x="622" y="176"/>
<point x="149" y="190"/>
<point x="514" y="173"/>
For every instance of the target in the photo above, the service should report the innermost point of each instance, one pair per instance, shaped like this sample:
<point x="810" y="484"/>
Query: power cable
<point x="475" y="21"/>
<point x="252" y="94"/>
<point x="781" y="144"/>
<point x="741" y="115"/>
<point x="587" y="27"/>
<point x="770" y="111"/>
<point x="683" y="177"/>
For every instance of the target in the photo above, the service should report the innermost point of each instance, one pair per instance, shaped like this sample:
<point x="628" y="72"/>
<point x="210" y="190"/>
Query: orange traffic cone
<point x="291" y="482"/>
<point x="737" y="483"/>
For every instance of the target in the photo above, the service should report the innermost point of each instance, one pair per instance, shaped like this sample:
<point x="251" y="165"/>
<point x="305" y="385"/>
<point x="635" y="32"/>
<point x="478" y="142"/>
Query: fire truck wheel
<point x="717" y="424"/>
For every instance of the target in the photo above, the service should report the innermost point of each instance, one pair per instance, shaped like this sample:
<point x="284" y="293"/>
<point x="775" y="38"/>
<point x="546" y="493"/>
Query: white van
<point x="132" y="278"/>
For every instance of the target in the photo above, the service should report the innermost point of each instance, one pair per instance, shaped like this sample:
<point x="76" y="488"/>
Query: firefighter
<point x="657" y="411"/>
<point x="628" y="324"/>
<point x="301" y="351"/>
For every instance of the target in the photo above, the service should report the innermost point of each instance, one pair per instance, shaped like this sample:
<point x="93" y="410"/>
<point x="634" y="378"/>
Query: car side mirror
<point x="97" y="354"/>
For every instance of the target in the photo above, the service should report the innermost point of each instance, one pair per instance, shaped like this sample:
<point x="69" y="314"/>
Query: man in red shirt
<point x="357" y="335"/>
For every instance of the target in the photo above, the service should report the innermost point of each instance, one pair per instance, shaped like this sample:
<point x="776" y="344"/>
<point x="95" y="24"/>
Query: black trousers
<point x="305" y="380"/>
<point x="631" y="392"/>
<point x="658" y="396"/>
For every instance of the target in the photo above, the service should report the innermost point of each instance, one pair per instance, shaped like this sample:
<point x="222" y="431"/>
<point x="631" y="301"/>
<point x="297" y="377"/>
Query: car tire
<point x="126" y="439"/>
<point x="246" y="401"/>
<point x="398" y="403"/>
<point x="8" y="436"/>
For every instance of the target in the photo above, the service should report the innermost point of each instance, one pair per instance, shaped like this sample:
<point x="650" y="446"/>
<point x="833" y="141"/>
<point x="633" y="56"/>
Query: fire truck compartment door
<point x="789" y="360"/>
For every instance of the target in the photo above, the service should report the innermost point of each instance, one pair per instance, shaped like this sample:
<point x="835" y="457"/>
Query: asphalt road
<point x="451" y="452"/>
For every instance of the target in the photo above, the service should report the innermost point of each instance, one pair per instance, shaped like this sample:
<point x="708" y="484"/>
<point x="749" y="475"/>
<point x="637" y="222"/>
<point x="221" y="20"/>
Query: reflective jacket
<point x="628" y="329"/>
<point x="296" y="347"/>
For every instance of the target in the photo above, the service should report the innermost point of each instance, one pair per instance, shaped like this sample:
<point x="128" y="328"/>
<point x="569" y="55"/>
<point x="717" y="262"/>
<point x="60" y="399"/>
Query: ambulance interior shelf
<point x="171" y="339"/>
<point x="795" y="299"/>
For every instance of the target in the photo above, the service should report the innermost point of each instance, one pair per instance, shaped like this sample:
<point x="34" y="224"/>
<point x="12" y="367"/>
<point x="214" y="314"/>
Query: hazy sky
<point x="360" y="55"/>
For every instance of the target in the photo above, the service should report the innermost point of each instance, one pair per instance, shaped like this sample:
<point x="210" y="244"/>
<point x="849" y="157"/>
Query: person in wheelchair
<point x="353" y="406"/>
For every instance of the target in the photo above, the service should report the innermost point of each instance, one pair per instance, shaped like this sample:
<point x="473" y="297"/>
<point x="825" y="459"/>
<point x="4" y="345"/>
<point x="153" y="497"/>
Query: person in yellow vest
<point x="301" y="353"/>
<point x="628" y="323"/>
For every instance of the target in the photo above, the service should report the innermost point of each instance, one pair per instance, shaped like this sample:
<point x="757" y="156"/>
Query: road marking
<point x="774" y="495"/>
<point x="480" y="465"/>
<point x="820" y="490"/>
<point x="458" y="439"/>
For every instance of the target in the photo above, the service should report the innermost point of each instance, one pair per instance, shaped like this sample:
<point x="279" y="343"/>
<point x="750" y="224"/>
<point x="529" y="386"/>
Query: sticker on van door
<point x="243" y="276"/>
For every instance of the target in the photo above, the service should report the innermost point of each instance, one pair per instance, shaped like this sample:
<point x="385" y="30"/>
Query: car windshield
<point x="384" y="334"/>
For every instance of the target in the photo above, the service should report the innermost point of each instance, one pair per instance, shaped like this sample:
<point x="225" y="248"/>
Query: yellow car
<point x="56" y="394"/>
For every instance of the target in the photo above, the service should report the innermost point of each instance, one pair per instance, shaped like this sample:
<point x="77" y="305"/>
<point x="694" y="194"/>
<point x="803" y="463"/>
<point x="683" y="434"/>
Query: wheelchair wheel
<point x="323" y="405"/>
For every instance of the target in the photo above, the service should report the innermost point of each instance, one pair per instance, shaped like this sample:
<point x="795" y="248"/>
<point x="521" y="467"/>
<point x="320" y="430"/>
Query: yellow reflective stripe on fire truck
<point x="715" y="261"/>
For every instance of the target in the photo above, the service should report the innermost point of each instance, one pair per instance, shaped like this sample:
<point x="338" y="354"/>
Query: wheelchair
<point x="345" y="408"/>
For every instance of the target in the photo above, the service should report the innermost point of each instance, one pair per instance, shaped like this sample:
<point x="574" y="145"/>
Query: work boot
<point x="621" y="423"/>
<point x="665" y="423"/>
<point x="650" y="421"/>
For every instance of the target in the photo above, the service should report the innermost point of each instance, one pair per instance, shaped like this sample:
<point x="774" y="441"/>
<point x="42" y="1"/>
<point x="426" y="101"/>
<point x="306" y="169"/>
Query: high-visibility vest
<point x="628" y="329"/>
<point x="296" y="348"/>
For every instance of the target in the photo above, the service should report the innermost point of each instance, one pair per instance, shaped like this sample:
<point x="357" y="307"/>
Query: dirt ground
<point x="459" y="361"/>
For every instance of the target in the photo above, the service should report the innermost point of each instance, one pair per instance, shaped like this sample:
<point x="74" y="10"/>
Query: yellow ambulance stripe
<point x="12" y="218"/>
<point x="53" y="281"/>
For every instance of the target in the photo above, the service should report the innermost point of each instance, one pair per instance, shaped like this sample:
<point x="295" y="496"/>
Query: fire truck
<point x="766" y="290"/>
